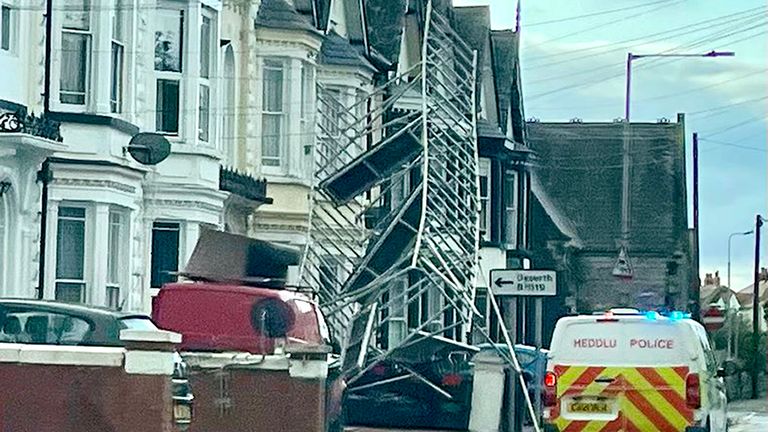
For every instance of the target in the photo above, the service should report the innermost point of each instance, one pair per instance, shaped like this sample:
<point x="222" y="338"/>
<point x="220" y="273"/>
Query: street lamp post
<point x="733" y="334"/>
<point x="631" y="57"/>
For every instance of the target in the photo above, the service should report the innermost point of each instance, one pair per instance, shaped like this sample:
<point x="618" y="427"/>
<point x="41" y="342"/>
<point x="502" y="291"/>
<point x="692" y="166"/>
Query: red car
<point x="224" y="317"/>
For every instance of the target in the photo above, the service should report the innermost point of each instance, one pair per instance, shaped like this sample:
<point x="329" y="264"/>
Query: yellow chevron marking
<point x="655" y="399"/>
<point x="595" y="388"/>
<point x="634" y="415"/>
<point x="675" y="381"/>
<point x="565" y="381"/>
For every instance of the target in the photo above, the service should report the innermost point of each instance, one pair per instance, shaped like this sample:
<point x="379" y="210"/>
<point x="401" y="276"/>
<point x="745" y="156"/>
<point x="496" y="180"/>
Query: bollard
<point x="487" y="393"/>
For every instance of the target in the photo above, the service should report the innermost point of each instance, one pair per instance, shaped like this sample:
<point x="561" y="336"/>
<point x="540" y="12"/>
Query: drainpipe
<point x="44" y="175"/>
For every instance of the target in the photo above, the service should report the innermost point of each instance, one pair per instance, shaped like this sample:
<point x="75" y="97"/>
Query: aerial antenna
<point x="517" y="16"/>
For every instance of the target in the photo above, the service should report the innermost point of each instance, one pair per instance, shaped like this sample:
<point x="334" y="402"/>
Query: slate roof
<point x="385" y="26"/>
<point x="579" y="167"/>
<point x="337" y="50"/>
<point x="473" y="25"/>
<point x="280" y="14"/>
<point x="506" y="69"/>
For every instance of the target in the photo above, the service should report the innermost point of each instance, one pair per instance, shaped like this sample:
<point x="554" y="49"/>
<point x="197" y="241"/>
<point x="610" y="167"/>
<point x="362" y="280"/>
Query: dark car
<point x="55" y="323"/>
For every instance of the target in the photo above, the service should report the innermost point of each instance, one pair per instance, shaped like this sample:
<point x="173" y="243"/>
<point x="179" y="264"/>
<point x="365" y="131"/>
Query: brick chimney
<point x="717" y="279"/>
<point x="708" y="279"/>
<point x="764" y="274"/>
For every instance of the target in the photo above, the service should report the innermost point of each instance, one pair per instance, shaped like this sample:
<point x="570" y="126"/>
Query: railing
<point x="20" y="122"/>
<point x="244" y="185"/>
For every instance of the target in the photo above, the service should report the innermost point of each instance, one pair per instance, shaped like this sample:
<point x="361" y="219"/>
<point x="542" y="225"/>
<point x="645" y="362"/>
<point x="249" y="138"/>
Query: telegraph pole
<point x="758" y="361"/>
<point x="696" y="291"/>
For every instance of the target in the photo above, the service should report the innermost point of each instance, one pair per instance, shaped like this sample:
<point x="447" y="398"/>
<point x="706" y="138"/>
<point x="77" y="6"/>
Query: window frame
<point x="116" y="258"/>
<point x="206" y="68"/>
<point x="7" y="28"/>
<point x="83" y="282"/>
<point x="117" y="63"/>
<point x="87" y="34"/>
<point x="484" y="171"/>
<point x="5" y="223"/>
<point x="170" y="75"/>
<point x="281" y="115"/>
<point x="511" y="206"/>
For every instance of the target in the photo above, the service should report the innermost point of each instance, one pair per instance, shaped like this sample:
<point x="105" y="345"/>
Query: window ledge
<point x="95" y="119"/>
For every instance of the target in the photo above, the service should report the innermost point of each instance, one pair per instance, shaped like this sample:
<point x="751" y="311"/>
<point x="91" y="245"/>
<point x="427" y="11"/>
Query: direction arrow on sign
<point x="524" y="282"/>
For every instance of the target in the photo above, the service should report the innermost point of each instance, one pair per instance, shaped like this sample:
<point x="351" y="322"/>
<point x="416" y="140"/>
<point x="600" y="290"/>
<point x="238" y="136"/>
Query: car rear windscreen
<point x="636" y="342"/>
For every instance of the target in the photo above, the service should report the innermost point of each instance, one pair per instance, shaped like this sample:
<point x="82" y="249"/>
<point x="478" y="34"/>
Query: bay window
<point x="70" y="255"/>
<point x="75" y="52"/>
<point x="273" y="114"/>
<point x="307" y="104"/>
<point x="169" y="36"/>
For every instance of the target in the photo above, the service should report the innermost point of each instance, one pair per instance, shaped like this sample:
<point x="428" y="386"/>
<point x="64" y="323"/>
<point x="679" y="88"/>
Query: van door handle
<point x="606" y="380"/>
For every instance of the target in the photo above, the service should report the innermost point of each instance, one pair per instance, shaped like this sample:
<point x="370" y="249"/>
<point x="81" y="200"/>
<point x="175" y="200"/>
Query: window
<point x="229" y="110"/>
<point x="115" y="258"/>
<point x="307" y="105"/>
<point x="510" y="202"/>
<point x="484" y="172"/>
<point x="116" y="58"/>
<point x="205" y="112"/>
<point x="167" y="116"/>
<point x="5" y="28"/>
<point x="165" y="253"/>
<point x="169" y="37"/>
<point x="39" y="327"/>
<point x="70" y="255"/>
<point x="76" y="52"/>
<point x="206" y="33"/>
<point x="273" y="116"/>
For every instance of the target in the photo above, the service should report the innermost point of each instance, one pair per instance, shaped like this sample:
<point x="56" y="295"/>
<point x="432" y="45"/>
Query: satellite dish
<point x="148" y="148"/>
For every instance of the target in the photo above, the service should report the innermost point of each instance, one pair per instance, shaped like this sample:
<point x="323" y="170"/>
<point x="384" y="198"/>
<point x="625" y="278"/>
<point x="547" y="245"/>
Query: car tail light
<point x="550" y="389"/>
<point x="452" y="380"/>
<point x="693" y="391"/>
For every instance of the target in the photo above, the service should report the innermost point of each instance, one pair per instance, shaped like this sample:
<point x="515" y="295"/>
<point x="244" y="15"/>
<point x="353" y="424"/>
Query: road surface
<point x="748" y="416"/>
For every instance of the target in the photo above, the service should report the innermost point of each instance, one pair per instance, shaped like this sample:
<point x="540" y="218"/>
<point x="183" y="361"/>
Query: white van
<point x="629" y="371"/>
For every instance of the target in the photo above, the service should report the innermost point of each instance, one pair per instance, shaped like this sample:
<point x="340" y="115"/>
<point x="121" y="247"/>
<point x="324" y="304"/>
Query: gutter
<point x="45" y="175"/>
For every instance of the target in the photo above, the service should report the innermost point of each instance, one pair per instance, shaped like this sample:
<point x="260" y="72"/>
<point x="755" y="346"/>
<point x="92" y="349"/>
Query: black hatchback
<point x="55" y="323"/>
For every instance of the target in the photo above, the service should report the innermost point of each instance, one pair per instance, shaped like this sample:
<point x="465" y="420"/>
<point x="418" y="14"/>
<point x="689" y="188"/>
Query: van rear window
<point x="639" y="343"/>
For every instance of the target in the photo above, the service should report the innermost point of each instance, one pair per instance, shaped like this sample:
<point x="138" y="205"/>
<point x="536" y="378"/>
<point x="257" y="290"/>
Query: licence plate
<point x="590" y="407"/>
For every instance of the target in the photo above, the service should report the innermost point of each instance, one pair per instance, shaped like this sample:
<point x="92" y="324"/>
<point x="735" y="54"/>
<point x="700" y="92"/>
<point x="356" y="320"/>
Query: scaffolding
<point x="393" y="241"/>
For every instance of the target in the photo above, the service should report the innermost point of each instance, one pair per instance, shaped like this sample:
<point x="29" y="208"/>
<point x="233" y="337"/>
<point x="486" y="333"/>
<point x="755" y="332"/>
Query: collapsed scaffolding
<point x="394" y="221"/>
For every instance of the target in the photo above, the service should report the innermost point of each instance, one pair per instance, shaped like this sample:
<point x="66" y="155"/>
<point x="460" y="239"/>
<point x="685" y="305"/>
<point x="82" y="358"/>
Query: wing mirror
<point x="728" y="368"/>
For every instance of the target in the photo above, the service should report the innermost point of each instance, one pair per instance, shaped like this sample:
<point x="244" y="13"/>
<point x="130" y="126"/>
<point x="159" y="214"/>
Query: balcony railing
<point x="243" y="185"/>
<point x="21" y="122"/>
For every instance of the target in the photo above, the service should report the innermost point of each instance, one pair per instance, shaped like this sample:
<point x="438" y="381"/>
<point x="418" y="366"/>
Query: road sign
<point x="713" y="319"/>
<point x="524" y="282"/>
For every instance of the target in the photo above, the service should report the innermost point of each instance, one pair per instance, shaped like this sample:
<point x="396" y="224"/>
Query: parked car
<point x="56" y="323"/>
<point x="427" y="384"/>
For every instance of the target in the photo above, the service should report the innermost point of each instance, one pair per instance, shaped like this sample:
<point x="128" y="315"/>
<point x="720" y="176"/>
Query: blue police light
<point x="651" y="315"/>
<point x="678" y="315"/>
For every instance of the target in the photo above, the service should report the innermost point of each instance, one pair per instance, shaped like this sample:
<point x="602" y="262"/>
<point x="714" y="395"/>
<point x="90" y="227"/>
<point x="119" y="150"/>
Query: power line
<point x="734" y="126"/>
<point x="728" y="144"/>
<point x="700" y="26"/>
<point x="593" y="14"/>
<point x="725" y="107"/>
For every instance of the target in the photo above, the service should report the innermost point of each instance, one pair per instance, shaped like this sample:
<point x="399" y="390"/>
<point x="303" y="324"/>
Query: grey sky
<point x="576" y="68"/>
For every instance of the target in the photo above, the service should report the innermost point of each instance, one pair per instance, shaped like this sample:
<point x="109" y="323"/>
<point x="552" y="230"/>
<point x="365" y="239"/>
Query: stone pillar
<point x="487" y="393"/>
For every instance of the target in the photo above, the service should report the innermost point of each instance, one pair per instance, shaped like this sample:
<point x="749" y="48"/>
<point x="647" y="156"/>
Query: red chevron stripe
<point x="630" y="427"/>
<point x="682" y="371"/>
<point x="650" y="411"/>
<point x="614" y="426"/>
<point x="588" y="376"/>
<point x="671" y="396"/>
<point x="576" y="426"/>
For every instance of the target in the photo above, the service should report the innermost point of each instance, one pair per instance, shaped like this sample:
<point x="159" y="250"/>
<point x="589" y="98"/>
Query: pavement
<point x="750" y="415"/>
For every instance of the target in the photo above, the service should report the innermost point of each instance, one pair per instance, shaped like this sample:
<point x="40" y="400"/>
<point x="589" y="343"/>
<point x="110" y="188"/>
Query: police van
<point x="625" y="370"/>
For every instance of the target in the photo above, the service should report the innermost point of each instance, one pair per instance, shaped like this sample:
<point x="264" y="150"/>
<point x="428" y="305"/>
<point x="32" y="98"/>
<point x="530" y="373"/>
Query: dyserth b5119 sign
<point x="524" y="282"/>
